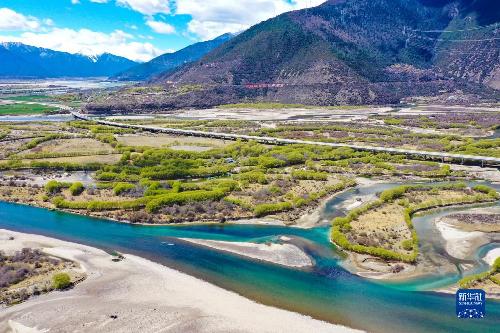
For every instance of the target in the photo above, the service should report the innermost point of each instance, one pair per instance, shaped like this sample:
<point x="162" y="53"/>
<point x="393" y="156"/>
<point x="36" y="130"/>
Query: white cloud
<point x="160" y="27"/>
<point x="11" y="20"/>
<point x="215" y="17"/>
<point x="99" y="1"/>
<point x="89" y="42"/>
<point x="147" y="7"/>
<point x="75" y="2"/>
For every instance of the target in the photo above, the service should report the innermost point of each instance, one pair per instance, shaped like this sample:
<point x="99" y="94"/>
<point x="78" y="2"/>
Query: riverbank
<point x="313" y="218"/>
<point x="460" y="244"/>
<point x="138" y="295"/>
<point x="491" y="256"/>
<point x="465" y="232"/>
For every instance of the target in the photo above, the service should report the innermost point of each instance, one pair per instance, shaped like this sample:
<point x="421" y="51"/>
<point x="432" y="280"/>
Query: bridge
<point x="483" y="161"/>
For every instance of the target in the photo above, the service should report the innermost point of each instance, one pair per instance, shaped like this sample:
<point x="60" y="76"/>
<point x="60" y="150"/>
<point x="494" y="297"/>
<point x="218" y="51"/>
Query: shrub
<point x="407" y="244"/>
<point x="61" y="281"/>
<point x="393" y="121"/>
<point x="53" y="186"/>
<point x="265" y="209"/>
<point x="496" y="265"/>
<point x="468" y="281"/>
<point x="183" y="197"/>
<point x="76" y="188"/>
<point x="309" y="175"/>
<point x="253" y="177"/>
<point x="486" y="190"/>
<point x="392" y="194"/>
<point x="120" y="188"/>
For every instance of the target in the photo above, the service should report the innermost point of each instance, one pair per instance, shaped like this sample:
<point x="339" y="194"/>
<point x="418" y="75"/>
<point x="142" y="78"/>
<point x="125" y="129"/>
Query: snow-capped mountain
<point x="23" y="61"/>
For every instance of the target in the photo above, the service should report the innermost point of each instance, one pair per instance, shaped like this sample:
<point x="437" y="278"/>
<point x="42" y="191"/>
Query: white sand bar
<point x="282" y="254"/>
<point x="145" y="297"/>
<point x="460" y="244"/>
<point x="492" y="255"/>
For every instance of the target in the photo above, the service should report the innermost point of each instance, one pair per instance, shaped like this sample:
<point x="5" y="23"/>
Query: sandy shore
<point x="460" y="244"/>
<point x="137" y="295"/>
<point x="492" y="255"/>
<point x="281" y="254"/>
<point x="371" y="267"/>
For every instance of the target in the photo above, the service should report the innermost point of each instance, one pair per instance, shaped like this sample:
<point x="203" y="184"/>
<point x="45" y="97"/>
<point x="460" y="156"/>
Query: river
<point x="325" y="291"/>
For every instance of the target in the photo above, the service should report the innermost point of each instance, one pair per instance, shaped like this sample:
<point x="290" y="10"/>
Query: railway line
<point x="483" y="161"/>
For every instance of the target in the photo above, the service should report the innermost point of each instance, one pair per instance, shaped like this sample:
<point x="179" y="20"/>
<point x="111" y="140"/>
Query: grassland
<point x="25" y="109"/>
<point x="31" y="98"/>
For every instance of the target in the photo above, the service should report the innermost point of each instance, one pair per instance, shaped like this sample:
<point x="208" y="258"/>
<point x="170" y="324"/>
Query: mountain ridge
<point x="25" y="61"/>
<point x="341" y="52"/>
<point x="170" y="61"/>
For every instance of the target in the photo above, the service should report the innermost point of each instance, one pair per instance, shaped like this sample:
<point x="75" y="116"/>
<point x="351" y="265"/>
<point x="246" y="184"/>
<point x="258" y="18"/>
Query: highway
<point x="483" y="161"/>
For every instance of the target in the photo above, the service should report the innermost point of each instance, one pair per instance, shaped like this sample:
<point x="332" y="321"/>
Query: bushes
<point x="35" y="142"/>
<point x="180" y="198"/>
<point x="394" y="193"/>
<point x="339" y="238"/>
<point x="342" y="224"/>
<point x="270" y="162"/>
<point x="470" y="280"/>
<point x="487" y="190"/>
<point x="61" y="281"/>
<point x="393" y="121"/>
<point x="309" y="175"/>
<point x="53" y="186"/>
<point x="253" y="177"/>
<point x="265" y="209"/>
<point x="120" y="188"/>
<point x="76" y="188"/>
<point x="496" y="265"/>
<point x="407" y="245"/>
<point x="59" y="202"/>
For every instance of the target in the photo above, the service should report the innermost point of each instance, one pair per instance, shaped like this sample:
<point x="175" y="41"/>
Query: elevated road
<point x="483" y="161"/>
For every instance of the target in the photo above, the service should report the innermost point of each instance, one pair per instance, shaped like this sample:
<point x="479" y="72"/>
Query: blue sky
<point x="136" y="29"/>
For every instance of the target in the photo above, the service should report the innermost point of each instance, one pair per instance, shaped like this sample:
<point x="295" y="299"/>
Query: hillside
<point x="24" y="61"/>
<point x="171" y="61"/>
<point x="343" y="52"/>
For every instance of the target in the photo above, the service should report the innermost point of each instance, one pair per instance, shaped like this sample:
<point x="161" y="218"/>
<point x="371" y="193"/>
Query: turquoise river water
<point x="325" y="291"/>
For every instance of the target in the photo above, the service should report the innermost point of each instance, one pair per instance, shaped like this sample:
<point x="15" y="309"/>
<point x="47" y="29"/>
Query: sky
<point x="136" y="29"/>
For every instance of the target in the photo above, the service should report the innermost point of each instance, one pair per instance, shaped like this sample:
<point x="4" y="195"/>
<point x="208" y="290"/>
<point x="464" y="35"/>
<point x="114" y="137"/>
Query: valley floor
<point x="137" y="295"/>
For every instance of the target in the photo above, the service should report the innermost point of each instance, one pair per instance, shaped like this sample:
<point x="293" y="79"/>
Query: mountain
<point x="23" y="61"/>
<point x="342" y="52"/>
<point x="170" y="61"/>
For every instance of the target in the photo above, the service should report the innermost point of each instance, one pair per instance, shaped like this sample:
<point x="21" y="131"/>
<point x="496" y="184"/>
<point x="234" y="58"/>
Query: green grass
<point x="24" y="109"/>
<point x="29" y="98"/>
